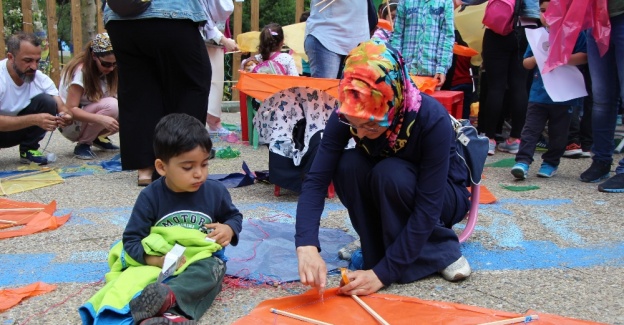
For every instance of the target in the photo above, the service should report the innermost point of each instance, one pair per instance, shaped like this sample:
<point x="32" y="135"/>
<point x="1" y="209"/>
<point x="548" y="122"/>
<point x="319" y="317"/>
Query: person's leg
<point x="516" y="79"/>
<point x="574" y="131"/>
<point x="28" y="138"/>
<point x="496" y="63"/>
<point x="323" y="62"/>
<point x="536" y="117"/>
<point x="392" y="183"/>
<point x="467" y="89"/>
<point x="215" y="98"/>
<point x="353" y="188"/>
<point x="89" y="131"/>
<point x="197" y="287"/>
<point x="558" y="126"/>
<point x="604" y="79"/>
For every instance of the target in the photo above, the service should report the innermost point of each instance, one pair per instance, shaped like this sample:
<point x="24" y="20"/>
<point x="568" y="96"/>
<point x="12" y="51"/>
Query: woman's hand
<point x="221" y="233"/>
<point x="312" y="268"/>
<point x="441" y="77"/>
<point x="109" y="123"/>
<point x="361" y="283"/>
<point x="230" y="44"/>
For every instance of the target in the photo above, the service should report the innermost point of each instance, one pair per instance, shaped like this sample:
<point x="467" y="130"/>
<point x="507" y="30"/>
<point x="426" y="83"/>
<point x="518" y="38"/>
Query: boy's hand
<point x="154" y="260"/>
<point x="222" y="234"/>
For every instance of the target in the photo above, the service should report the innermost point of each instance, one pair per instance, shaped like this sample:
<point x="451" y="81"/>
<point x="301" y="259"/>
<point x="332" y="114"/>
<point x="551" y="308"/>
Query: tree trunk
<point x="89" y="20"/>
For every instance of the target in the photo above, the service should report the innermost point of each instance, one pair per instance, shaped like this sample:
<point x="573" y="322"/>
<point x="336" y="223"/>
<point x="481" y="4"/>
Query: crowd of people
<point x="401" y="184"/>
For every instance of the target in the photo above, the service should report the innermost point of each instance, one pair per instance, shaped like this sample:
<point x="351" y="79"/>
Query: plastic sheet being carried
<point x="396" y="310"/>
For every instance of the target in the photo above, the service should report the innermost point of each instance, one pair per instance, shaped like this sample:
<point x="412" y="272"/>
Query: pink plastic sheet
<point x="567" y="18"/>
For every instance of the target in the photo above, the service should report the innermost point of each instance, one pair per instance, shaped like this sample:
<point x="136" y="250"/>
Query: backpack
<point x="471" y="148"/>
<point x="502" y="16"/>
<point x="270" y="66"/>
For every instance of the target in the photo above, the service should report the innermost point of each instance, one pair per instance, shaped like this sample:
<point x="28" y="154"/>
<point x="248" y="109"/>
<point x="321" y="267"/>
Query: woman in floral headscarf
<point x="402" y="184"/>
<point x="89" y="89"/>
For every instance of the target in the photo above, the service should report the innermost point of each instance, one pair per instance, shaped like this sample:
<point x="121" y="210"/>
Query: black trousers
<point x="28" y="138"/>
<point x="502" y="60"/>
<point x="163" y="68"/>
<point x="558" y="118"/>
<point x="380" y="199"/>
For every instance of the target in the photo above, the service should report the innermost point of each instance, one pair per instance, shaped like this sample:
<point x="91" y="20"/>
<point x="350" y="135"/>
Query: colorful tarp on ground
<point x="339" y="309"/>
<point x="265" y="252"/>
<point x="25" y="218"/>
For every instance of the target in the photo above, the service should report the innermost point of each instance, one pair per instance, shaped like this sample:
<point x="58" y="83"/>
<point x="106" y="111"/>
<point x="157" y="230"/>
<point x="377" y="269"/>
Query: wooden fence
<point x="76" y="27"/>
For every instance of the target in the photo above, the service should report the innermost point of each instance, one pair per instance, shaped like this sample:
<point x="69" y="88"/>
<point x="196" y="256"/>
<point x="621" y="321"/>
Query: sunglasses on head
<point x="107" y="64"/>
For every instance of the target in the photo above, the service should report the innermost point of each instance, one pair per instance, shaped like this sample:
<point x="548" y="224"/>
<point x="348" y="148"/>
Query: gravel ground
<point x="587" y="219"/>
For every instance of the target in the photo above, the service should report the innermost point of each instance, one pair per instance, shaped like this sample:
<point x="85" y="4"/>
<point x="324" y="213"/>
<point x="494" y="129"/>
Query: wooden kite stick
<point x="523" y="319"/>
<point x="44" y="170"/>
<point x="369" y="310"/>
<point x="329" y="4"/>
<point x="299" y="317"/>
<point x="8" y="221"/>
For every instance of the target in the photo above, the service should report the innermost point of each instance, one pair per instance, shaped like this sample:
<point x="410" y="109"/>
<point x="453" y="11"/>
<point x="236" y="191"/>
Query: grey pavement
<point x="557" y="249"/>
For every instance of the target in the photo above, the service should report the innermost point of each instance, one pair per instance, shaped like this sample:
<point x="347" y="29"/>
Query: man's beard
<point x="24" y="75"/>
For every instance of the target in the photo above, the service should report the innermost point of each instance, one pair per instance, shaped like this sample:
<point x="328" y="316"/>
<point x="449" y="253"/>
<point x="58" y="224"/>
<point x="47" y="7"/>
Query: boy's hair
<point x="177" y="133"/>
<point x="542" y="1"/>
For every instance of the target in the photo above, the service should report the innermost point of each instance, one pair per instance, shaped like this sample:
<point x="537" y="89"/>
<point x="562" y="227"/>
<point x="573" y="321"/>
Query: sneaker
<point x="154" y="300"/>
<point x="547" y="170"/>
<point x="83" y="151"/>
<point x="573" y="150"/>
<point x="104" y="143"/>
<point x="33" y="156"/>
<point x="520" y="171"/>
<point x="459" y="270"/>
<point x="219" y="132"/>
<point x="586" y="154"/>
<point x="168" y="319"/>
<point x="541" y="145"/>
<point x="510" y="146"/>
<point x="596" y="172"/>
<point x="492" y="147"/>
<point x="614" y="184"/>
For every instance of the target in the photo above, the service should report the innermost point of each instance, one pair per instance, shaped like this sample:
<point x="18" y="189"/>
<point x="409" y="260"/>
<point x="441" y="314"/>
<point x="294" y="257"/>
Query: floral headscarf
<point x="376" y="86"/>
<point x="101" y="44"/>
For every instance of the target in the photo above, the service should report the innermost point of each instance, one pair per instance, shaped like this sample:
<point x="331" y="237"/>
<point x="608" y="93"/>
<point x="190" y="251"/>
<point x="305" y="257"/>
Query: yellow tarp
<point x="469" y="25"/>
<point x="29" y="181"/>
<point x="293" y="38"/>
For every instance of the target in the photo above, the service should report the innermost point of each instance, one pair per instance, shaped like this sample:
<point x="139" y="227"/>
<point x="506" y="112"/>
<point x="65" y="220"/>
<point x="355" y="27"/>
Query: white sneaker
<point x="459" y="270"/>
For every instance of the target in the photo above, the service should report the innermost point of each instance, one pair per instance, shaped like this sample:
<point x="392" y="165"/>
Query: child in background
<point x="250" y="65"/>
<point x="387" y="11"/>
<point x="271" y="43"/>
<point x="459" y="77"/>
<point x="541" y="108"/>
<point x="180" y="207"/>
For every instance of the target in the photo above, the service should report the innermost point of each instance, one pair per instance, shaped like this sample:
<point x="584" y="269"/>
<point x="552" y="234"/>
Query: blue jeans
<point x="605" y="72"/>
<point x="323" y="62"/>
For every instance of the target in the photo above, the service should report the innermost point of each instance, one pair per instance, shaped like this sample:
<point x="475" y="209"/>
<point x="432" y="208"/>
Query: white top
<point x="341" y="26"/>
<point x="285" y="59"/>
<point x="78" y="80"/>
<point x="14" y="98"/>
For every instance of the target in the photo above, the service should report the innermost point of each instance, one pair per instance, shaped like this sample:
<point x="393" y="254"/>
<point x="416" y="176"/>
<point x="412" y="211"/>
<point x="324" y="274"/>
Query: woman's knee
<point x="110" y="107"/>
<point x="394" y="174"/>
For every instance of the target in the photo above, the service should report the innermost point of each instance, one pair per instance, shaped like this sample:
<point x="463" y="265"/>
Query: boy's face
<point x="543" y="8"/>
<point x="185" y="172"/>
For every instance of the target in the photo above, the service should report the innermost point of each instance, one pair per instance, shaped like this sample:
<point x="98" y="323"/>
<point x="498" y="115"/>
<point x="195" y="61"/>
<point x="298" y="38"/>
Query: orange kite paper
<point x="339" y="309"/>
<point x="262" y="86"/>
<point x="27" y="218"/>
<point x="12" y="297"/>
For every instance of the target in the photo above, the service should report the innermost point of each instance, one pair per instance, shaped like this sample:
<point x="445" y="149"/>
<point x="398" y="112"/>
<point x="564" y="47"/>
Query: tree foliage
<point x="272" y="11"/>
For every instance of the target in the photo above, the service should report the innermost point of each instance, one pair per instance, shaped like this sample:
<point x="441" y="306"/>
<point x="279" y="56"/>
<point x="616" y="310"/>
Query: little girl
<point x="89" y="89"/>
<point x="271" y="43"/>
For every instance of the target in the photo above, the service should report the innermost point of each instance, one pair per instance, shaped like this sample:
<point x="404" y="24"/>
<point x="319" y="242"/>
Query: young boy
<point x="541" y="109"/>
<point x="181" y="197"/>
